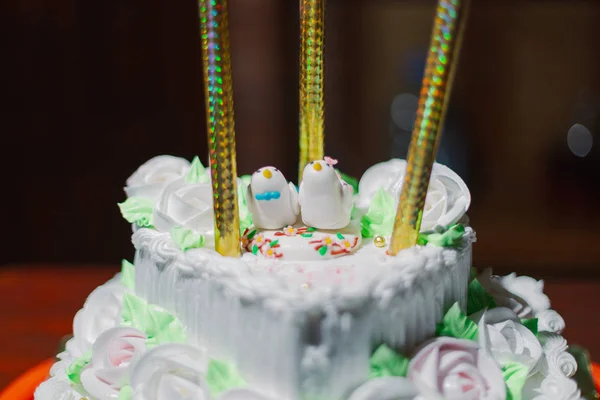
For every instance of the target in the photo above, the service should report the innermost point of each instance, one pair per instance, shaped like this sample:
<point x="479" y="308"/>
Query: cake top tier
<point x="327" y="216"/>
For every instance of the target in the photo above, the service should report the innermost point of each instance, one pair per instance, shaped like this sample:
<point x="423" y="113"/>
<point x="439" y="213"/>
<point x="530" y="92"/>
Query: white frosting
<point x="154" y="175"/>
<point x="555" y="387"/>
<point x="448" y="197"/>
<point x="456" y="369"/>
<point x="558" y="360"/>
<point x="322" y="315"/>
<point x="101" y="311"/>
<point x="507" y="340"/>
<point x="494" y="285"/>
<point x="113" y="353"/>
<point x="56" y="388"/>
<point x="550" y="321"/>
<point x="529" y="289"/>
<point x="171" y="371"/>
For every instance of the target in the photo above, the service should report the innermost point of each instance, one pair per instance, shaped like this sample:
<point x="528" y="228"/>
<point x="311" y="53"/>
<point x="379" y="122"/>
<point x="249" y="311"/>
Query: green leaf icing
<point x="311" y="229"/>
<point x="457" y="324"/>
<point x="126" y="393"/>
<point x="473" y="273"/>
<point x="452" y="237"/>
<point x="386" y="362"/>
<point x="339" y="236"/>
<point x="477" y="298"/>
<point x="306" y="235"/>
<point x="138" y="210"/>
<point x="246" y="179"/>
<point x="531" y="324"/>
<point x="186" y="239"/>
<point x="127" y="274"/>
<point x="222" y="376"/>
<point x="323" y="250"/>
<point x="515" y="376"/>
<point x="245" y="215"/>
<point x="350" y="180"/>
<point x="159" y="325"/>
<point x="379" y="219"/>
<point x="255" y="249"/>
<point x="197" y="173"/>
<point x="73" y="371"/>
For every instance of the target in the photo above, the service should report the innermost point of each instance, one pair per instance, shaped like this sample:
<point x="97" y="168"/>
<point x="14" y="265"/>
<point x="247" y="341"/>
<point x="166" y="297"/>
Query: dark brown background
<point x="95" y="88"/>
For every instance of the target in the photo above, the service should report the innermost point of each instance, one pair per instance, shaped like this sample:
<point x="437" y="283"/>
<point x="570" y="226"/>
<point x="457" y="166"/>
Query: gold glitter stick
<point x="214" y="31"/>
<point x="312" y="35"/>
<point x="433" y="101"/>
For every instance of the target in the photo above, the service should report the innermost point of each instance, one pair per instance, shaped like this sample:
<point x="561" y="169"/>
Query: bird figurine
<point x="325" y="200"/>
<point x="272" y="201"/>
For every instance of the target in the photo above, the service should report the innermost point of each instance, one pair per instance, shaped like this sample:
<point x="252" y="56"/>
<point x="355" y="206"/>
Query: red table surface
<point x="39" y="302"/>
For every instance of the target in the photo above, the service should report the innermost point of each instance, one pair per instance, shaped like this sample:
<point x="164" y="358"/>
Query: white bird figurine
<point x="271" y="200"/>
<point x="325" y="200"/>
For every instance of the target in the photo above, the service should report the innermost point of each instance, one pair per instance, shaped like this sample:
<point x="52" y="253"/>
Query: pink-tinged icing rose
<point x="456" y="369"/>
<point x="385" y="388"/>
<point x="112" y="355"/>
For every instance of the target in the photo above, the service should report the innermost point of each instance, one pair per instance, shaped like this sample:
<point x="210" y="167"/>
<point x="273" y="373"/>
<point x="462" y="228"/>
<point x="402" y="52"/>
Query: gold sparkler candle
<point x="433" y="101"/>
<point x="221" y="135"/>
<point x="312" y="29"/>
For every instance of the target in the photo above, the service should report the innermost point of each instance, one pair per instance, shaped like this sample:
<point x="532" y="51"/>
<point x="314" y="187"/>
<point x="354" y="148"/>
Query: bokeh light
<point x="580" y="140"/>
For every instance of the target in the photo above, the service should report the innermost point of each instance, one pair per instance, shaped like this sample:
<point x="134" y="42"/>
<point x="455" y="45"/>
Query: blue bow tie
<point x="268" y="196"/>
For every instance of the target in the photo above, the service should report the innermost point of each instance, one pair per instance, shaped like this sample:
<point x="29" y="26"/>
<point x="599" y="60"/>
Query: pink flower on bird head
<point x="330" y="161"/>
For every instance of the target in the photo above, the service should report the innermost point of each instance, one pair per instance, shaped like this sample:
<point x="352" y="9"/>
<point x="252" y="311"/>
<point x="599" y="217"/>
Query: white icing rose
<point x="456" y="369"/>
<point x="101" y="311"/>
<point x="385" y="388"/>
<point x="493" y="284"/>
<point x="112" y="355"/>
<point x="188" y="205"/>
<point x="154" y="175"/>
<point x="529" y="289"/>
<point x="550" y="321"/>
<point x="557" y="387"/>
<point x="507" y="340"/>
<point x="447" y="200"/>
<point x="56" y="388"/>
<point x="171" y="371"/>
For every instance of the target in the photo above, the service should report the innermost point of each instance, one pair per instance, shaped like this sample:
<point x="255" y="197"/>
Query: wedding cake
<point x="315" y="308"/>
